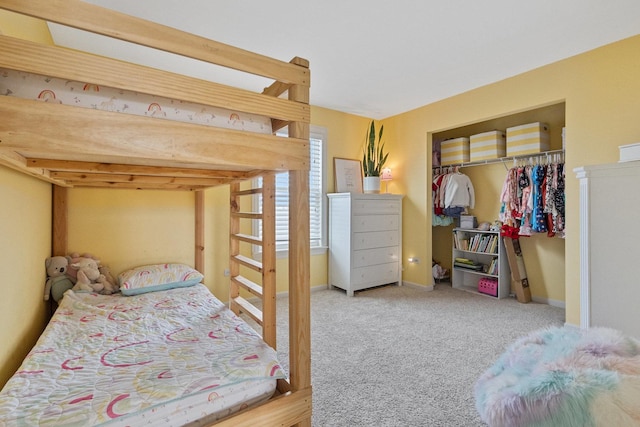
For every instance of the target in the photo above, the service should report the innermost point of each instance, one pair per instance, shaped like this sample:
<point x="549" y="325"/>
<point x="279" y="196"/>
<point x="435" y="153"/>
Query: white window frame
<point x="320" y="246"/>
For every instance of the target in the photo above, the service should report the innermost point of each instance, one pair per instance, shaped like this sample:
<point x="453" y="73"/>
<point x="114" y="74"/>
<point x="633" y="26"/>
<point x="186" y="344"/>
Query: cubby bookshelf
<point x="476" y="255"/>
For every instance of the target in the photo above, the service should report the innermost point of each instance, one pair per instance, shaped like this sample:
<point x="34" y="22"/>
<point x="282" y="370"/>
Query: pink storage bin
<point x="488" y="286"/>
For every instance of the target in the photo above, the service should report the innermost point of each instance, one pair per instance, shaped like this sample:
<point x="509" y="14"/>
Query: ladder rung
<point x="248" y="308"/>
<point x="248" y="262"/>
<point x="247" y="238"/>
<point x="247" y="215"/>
<point x="247" y="284"/>
<point x="247" y="192"/>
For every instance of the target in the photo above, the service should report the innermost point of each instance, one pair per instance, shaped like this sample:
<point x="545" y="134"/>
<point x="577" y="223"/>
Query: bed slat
<point x="113" y="168"/>
<point x="77" y="178"/>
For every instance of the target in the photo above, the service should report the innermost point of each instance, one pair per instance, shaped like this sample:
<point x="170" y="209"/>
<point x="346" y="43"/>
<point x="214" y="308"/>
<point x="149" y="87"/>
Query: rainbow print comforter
<point x="103" y="359"/>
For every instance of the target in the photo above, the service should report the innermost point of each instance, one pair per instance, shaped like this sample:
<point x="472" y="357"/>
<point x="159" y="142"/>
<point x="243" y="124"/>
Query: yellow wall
<point x="17" y="25"/>
<point x="25" y="227"/>
<point x="602" y="93"/>
<point x="346" y="134"/>
<point x="128" y="228"/>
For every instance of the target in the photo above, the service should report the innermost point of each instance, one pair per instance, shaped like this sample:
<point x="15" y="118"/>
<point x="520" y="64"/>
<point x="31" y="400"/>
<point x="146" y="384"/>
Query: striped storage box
<point x="487" y="146"/>
<point x="527" y="139"/>
<point x="454" y="151"/>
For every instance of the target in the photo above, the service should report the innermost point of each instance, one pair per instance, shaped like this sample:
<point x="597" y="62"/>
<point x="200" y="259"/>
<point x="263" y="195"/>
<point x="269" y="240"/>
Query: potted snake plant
<point x="373" y="159"/>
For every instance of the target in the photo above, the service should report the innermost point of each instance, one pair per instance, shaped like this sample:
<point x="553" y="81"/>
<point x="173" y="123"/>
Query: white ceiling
<point x="379" y="58"/>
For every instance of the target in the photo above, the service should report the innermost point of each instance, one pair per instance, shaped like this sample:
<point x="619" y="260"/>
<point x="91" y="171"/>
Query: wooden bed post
<point x="269" y="259"/>
<point x="299" y="258"/>
<point x="199" y="242"/>
<point x="59" y="221"/>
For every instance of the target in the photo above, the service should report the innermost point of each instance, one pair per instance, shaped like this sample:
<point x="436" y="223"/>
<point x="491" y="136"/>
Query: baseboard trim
<point x="418" y="286"/>
<point x="548" y="301"/>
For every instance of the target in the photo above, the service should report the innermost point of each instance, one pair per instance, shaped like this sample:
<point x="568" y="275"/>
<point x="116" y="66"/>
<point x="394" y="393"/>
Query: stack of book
<point x="467" y="263"/>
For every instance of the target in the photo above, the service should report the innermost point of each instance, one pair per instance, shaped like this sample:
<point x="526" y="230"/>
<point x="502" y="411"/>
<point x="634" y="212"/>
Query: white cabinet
<point x="485" y="249"/>
<point x="365" y="240"/>
<point x="609" y="292"/>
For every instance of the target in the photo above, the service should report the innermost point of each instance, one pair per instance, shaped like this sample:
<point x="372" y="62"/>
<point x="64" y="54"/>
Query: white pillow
<point x="157" y="277"/>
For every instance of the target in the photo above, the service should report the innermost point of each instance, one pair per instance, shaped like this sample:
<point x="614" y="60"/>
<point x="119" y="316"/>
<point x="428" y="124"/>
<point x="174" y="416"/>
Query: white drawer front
<point x="375" y="222"/>
<point x="375" y="239"/>
<point x="365" y="207"/>
<point x="376" y="256"/>
<point x="375" y="274"/>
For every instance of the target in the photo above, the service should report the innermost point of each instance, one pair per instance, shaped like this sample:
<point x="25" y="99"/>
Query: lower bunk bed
<point x="172" y="355"/>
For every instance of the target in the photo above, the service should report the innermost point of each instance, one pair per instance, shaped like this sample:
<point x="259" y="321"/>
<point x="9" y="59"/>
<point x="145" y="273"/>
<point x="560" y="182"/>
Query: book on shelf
<point x="494" y="245"/>
<point x="461" y="241"/>
<point x="476" y="242"/>
<point x="493" y="267"/>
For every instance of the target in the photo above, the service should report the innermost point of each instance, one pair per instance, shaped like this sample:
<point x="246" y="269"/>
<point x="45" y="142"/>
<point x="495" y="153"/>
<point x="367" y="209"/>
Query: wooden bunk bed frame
<point x="79" y="147"/>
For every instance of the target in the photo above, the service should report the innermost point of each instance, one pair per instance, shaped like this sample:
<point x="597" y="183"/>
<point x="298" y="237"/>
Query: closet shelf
<point x="503" y="160"/>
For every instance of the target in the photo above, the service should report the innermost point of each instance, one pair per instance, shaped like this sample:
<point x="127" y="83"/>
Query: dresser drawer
<point x="375" y="239"/>
<point x="375" y="223"/>
<point x="376" y="274"/>
<point x="366" y="207"/>
<point x="375" y="256"/>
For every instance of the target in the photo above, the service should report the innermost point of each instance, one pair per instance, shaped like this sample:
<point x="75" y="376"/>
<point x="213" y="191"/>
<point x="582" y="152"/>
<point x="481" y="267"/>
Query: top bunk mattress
<point x="67" y="92"/>
<point x="129" y="360"/>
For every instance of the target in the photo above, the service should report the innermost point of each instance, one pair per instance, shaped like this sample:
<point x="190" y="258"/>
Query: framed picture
<point x="348" y="175"/>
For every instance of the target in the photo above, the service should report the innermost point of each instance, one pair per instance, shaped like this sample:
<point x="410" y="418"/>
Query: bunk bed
<point x="105" y="146"/>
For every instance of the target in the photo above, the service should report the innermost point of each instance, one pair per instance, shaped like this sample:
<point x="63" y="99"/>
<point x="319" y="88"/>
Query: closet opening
<point x="543" y="255"/>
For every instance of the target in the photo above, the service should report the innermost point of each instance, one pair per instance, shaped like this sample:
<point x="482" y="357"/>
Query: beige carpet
<point x="400" y="356"/>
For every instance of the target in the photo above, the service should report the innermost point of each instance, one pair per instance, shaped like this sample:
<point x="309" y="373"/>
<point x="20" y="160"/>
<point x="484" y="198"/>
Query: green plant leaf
<point x="373" y="158"/>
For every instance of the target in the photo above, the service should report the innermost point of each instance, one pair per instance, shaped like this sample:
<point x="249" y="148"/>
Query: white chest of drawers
<point x="365" y="240"/>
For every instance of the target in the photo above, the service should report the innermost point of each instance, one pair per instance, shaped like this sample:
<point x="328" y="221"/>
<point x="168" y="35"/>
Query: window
<point x="317" y="203"/>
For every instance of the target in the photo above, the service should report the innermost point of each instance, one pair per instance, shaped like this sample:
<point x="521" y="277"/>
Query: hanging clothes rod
<point x="503" y="160"/>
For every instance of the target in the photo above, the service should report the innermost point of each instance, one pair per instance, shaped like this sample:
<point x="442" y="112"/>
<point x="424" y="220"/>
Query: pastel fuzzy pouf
<point x="563" y="377"/>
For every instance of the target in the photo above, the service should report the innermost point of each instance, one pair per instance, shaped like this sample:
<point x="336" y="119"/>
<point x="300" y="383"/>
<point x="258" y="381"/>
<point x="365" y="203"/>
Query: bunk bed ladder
<point x="241" y="285"/>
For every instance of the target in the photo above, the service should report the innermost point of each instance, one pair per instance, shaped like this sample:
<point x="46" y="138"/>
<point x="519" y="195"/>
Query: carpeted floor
<point x="401" y="356"/>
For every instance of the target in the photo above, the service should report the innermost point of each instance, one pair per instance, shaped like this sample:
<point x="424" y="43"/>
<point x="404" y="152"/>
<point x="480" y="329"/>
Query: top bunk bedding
<point x="81" y="94"/>
<point x="177" y="355"/>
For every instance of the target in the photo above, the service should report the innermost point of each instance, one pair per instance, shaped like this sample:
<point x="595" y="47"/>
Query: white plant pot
<point x="371" y="184"/>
